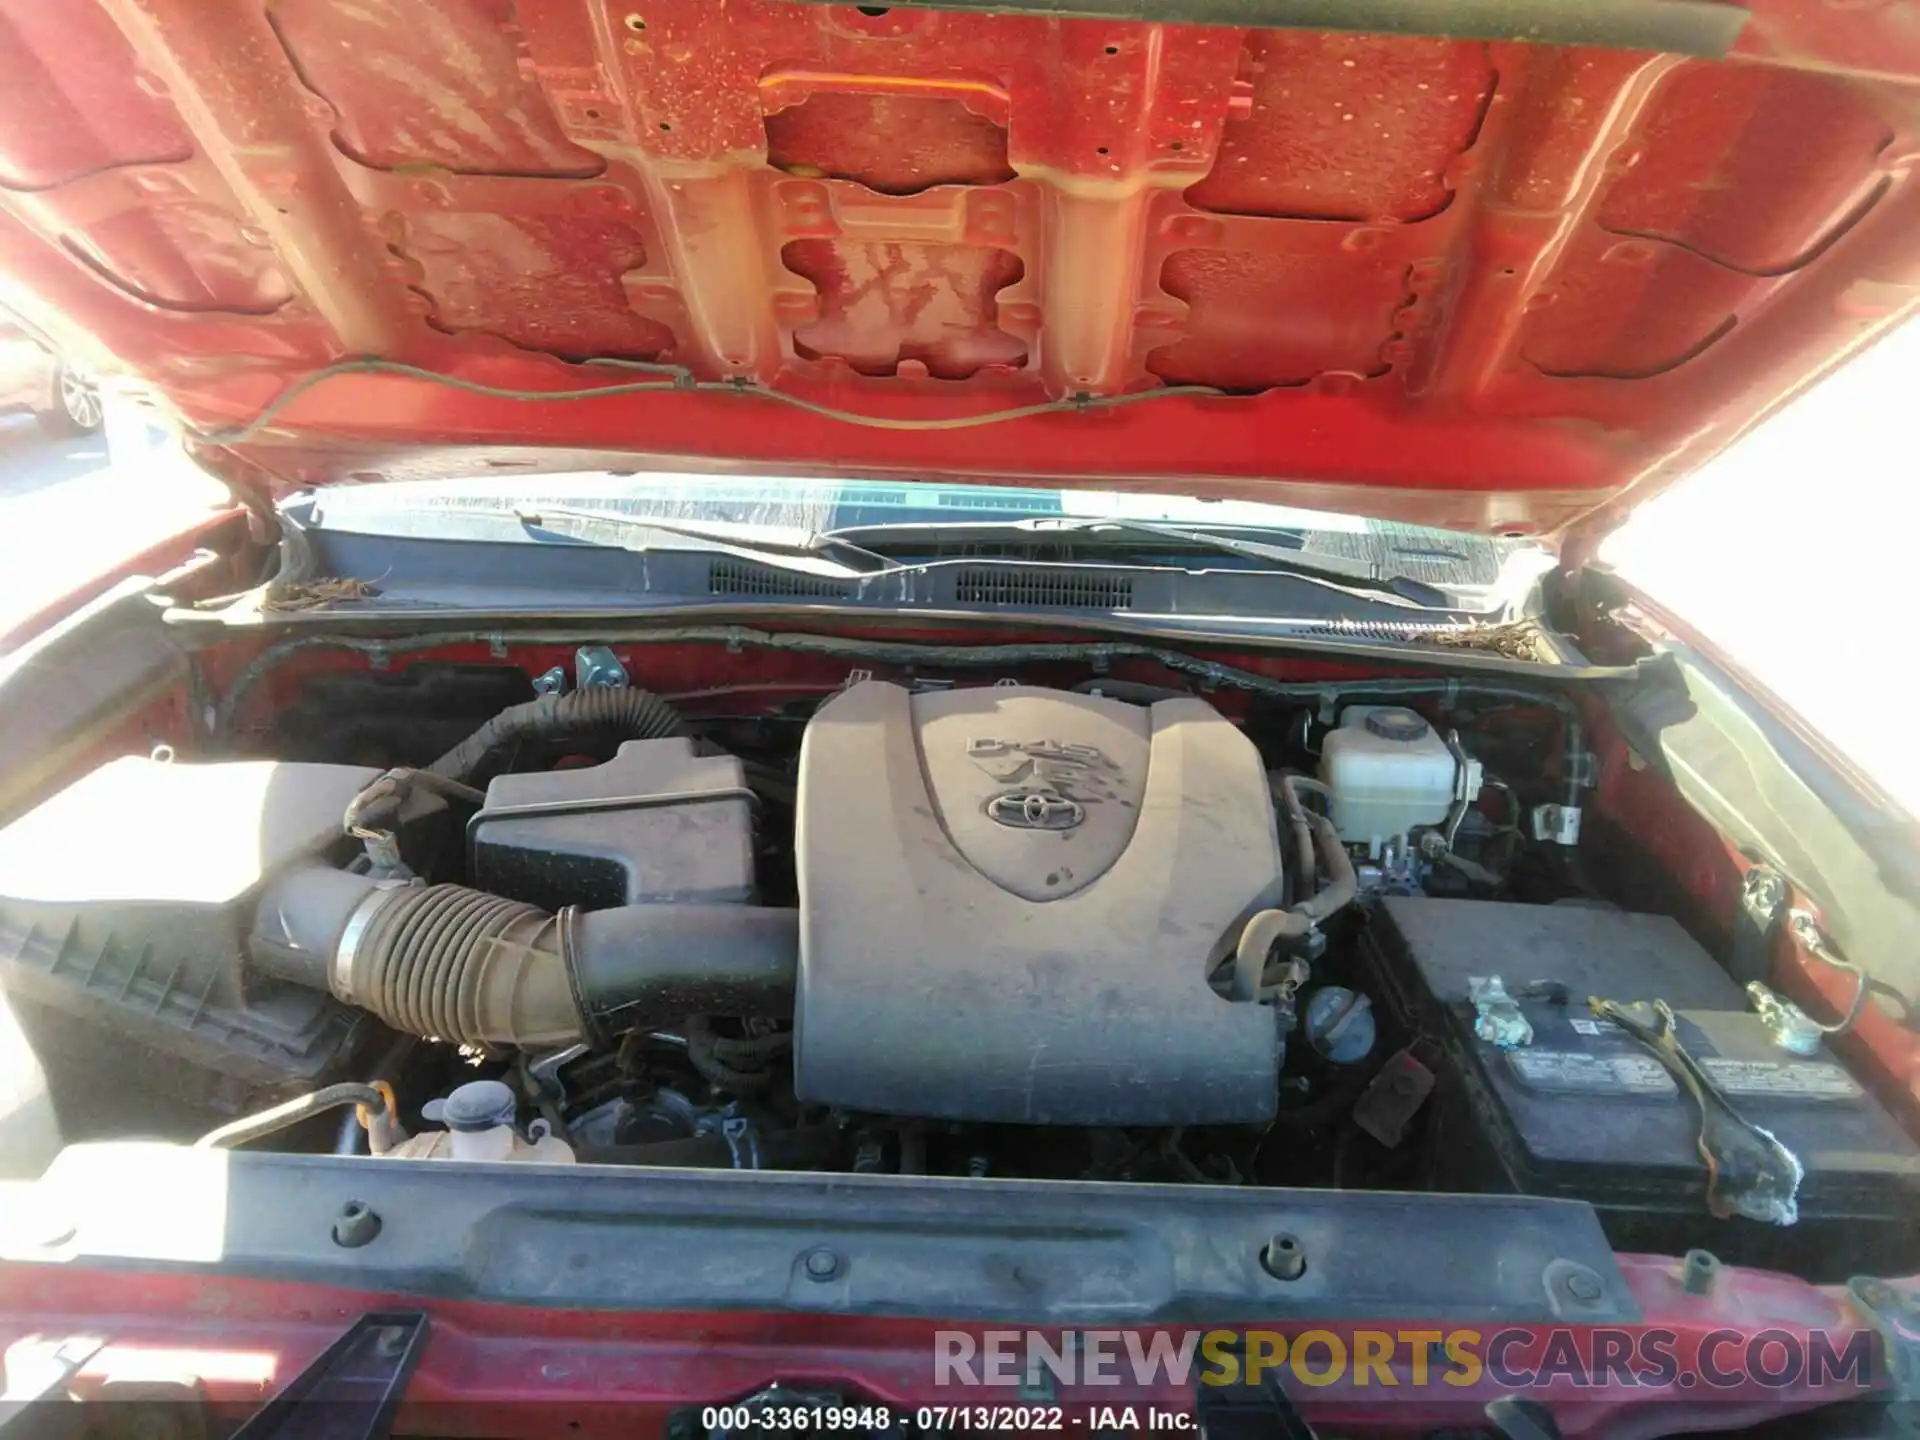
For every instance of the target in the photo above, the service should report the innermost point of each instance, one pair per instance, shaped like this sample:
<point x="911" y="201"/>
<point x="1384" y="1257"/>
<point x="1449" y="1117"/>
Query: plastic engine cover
<point x="1010" y="900"/>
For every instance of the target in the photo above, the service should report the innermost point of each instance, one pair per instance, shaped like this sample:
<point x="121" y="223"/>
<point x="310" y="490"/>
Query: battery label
<point x="1785" y="1079"/>
<point x="1576" y="1072"/>
<point x="1584" y="1026"/>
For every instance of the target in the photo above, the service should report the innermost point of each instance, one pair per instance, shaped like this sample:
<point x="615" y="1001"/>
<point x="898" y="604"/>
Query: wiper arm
<point x="1356" y="573"/>
<point x="803" y="551"/>
<point x="836" y="555"/>
<point x="1351" y="574"/>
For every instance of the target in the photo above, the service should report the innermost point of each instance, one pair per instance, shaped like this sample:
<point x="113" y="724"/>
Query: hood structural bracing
<point x="1486" y="283"/>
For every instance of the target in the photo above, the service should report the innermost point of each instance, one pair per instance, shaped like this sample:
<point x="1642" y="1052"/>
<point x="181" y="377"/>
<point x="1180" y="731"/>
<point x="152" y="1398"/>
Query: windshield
<point x="1436" y="557"/>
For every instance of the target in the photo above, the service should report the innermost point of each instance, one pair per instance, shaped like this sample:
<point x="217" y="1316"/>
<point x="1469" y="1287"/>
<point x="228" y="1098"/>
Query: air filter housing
<point x="125" y="901"/>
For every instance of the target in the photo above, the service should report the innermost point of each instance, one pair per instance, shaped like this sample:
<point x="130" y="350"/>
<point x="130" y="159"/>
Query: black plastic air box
<point x="1584" y="1111"/>
<point x="125" y="900"/>
<point x="656" y="823"/>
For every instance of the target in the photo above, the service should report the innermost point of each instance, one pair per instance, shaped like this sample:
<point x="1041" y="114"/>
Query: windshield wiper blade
<point x="1356" y="573"/>
<point x="803" y="551"/>
<point x="1288" y="559"/>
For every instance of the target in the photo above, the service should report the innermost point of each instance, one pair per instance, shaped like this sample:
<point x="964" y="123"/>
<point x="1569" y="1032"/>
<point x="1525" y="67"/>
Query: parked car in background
<point x="61" y="392"/>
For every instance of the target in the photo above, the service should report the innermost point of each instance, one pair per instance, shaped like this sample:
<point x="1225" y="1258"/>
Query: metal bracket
<point x="743" y="1141"/>
<point x="595" y="667"/>
<point x="1788" y="1026"/>
<point x="1763" y="904"/>
<point x="1557" y="824"/>
<point x="351" y="1390"/>
<point x="545" y="1072"/>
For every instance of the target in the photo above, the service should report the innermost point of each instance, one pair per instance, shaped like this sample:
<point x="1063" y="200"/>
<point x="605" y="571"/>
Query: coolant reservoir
<point x="479" y="1121"/>
<point x="1386" y="771"/>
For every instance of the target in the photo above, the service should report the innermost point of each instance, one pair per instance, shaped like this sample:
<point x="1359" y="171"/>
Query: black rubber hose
<point x="629" y="714"/>
<point x="1266" y="928"/>
<point x="740" y="1066"/>
<point x="1306" y="876"/>
<point x="649" y="965"/>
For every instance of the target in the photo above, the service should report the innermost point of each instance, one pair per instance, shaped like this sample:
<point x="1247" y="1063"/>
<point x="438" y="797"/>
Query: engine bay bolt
<point x="821" y="1265"/>
<point x="596" y="667"/>
<point x="1584" y="1286"/>
<point x="356" y="1225"/>
<point x="1284" y="1257"/>
<point x="1699" y="1272"/>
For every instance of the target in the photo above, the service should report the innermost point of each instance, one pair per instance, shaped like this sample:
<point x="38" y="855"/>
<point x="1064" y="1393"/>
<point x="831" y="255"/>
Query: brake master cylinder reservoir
<point x="1386" y="772"/>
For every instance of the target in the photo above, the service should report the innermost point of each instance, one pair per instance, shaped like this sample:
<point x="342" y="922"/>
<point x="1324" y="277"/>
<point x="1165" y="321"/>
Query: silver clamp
<point x="1557" y="824"/>
<point x="1788" y="1026"/>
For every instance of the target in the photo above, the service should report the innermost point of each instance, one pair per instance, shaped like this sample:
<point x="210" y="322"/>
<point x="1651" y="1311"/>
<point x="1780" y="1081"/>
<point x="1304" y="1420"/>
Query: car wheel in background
<point x="77" y="409"/>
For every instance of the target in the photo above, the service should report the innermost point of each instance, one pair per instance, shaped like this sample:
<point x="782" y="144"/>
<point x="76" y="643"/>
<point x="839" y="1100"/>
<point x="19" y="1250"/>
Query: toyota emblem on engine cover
<point x="1035" y="810"/>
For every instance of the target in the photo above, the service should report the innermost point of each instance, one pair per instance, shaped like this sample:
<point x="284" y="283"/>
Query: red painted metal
<point x="1709" y="870"/>
<point x="1489" y="285"/>
<point x="164" y="557"/>
<point x="511" y="1371"/>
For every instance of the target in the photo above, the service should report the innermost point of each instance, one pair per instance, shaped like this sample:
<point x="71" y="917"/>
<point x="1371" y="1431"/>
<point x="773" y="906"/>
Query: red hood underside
<point x="1494" y="285"/>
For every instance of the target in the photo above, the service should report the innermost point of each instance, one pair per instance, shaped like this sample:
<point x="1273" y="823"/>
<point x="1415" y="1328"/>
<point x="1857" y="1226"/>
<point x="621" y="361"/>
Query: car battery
<point x="1585" y="1111"/>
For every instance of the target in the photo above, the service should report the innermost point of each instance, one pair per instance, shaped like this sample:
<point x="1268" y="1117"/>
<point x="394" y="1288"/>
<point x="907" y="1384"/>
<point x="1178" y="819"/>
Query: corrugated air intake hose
<point x="452" y="963"/>
<point x="460" y="964"/>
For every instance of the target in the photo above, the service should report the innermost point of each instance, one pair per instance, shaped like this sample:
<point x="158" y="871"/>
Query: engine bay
<point x="1040" y="925"/>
